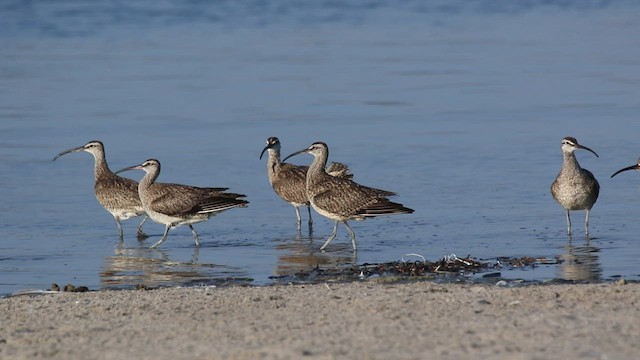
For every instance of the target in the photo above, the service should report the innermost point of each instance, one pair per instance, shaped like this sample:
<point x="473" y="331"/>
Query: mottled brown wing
<point x="220" y="203"/>
<point x="290" y="183"/>
<point x="115" y="192"/>
<point x="176" y="199"/>
<point x="173" y="199"/>
<point x="345" y="197"/>
<point x="339" y="170"/>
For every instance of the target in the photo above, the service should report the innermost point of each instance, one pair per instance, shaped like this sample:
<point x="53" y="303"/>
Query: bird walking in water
<point x="342" y="199"/>
<point x="575" y="188"/>
<point x="289" y="181"/>
<point x="175" y="204"/>
<point x="632" y="167"/>
<point x="118" y="195"/>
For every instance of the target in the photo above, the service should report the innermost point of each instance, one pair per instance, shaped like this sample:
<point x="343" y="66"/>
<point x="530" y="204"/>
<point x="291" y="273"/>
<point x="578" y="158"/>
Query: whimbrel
<point x="118" y="195"/>
<point x="632" y="167"/>
<point x="342" y="199"/>
<point x="575" y="188"/>
<point x="175" y="204"/>
<point x="289" y="181"/>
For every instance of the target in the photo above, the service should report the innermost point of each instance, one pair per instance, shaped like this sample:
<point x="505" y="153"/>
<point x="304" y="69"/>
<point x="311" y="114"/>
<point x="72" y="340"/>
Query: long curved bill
<point x="76" y="149"/>
<point x="263" y="150"/>
<point x="632" y="167"/>
<point x="133" y="167"/>
<point x="295" y="153"/>
<point x="586" y="148"/>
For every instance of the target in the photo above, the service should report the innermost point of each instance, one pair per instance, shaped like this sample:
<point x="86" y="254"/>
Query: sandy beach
<point x="364" y="320"/>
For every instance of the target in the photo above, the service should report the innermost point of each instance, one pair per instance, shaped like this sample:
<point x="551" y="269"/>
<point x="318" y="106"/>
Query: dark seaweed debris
<point x="448" y="265"/>
<point x="523" y="261"/>
<point x="69" y="288"/>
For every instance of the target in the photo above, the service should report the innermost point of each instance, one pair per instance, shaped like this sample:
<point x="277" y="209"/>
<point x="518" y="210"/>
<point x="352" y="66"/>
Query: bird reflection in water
<point x="580" y="263"/>
<point x="141" y="266"/>
<point x="300" y="255"/>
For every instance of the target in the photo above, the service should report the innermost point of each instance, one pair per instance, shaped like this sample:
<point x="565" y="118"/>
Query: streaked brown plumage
<point x="176" y="204"/>
<point x="575" y="188"/>
<point x="289" y="181"/>
<point x="118" y="195"/>
<point x="341" y="199"/>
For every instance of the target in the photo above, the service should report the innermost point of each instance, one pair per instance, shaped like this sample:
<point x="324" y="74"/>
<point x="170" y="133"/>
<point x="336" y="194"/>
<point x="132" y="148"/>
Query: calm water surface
<point x="457" y="106"/>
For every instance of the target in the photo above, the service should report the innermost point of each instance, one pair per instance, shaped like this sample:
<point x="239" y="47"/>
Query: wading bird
<point x="118" y="195"/>
<point x="289" y="181"/>
<point x="174" y="204"/>
<point x="342" y="199"/>
<point x="575" y="188"/>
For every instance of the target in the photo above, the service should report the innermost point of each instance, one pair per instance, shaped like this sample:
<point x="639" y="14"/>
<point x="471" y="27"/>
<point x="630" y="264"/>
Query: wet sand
<point x="364" y="320"/>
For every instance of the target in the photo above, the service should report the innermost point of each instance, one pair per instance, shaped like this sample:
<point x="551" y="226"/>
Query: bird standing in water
<point x="289" y="181"/>
<point x="174" y="204"/>
<point x="575" y="188"/>
<point x="118" y="195"/>
<point x="342" y="199"/>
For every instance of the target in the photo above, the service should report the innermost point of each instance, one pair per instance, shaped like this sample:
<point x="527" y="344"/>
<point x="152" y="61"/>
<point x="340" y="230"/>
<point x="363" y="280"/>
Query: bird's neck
<point x="148" y="179"/>
<point x="100" y="168"/>
<point x="569" y="162"/>
<point x="273" y="162"/>
<point x="317" y="169"/>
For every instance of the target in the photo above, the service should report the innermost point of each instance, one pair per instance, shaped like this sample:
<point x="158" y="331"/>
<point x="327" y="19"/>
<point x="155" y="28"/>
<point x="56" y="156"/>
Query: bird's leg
<point x="120" y="234"/>
<point x="568" y="223"/>
<point x="331" y="237"/>
<point x="299" y="219"/>
<point x="310" y="219"/>
<point x="352" y="234"/>
<point x="195" y="235"/>
<point x="141" y="234"/>
<point x="310" y="233"/>
<point x="164" y="237"/>
<point x="586" y="223"/>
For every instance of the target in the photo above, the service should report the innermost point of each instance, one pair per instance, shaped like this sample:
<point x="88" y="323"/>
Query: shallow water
<point x="457" y="106"/>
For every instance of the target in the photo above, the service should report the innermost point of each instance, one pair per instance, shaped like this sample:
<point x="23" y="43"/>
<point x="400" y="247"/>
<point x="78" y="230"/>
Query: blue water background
<point x="458" y="106"/>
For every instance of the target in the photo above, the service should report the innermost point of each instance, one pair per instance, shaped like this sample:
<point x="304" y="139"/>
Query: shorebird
<point x="174" y="204"/>
<point x="289" y="181"/>
<point x="342" y="199"/>
<point x="575" y="188"/>
<point x="118" y="195"/>
<point x="632" y="167"/>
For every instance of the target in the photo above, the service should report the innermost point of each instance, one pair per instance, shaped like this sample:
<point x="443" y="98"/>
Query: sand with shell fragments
<point x="360" y="320"/>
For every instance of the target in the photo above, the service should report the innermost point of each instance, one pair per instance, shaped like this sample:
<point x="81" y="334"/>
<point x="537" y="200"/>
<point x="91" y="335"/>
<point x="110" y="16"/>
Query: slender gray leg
<point x="331" y="237"/>
<point x="351" y="233"/>
<point x="310" y="219"/>
<point x="586" y="222"/>
<point x="120" y="234"/>
<point x="299" y="222"/>
<point x="196" y="253"/>
<point x="568" y="223"/>
<point x="164" y="237"/>
<point x="141" y="234"/>
<point x="195" y="235"/>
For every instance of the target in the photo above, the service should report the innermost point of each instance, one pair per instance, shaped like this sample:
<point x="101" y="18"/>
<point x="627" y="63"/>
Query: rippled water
<point x="457" y="106"/>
